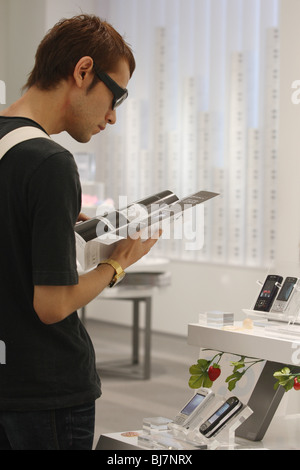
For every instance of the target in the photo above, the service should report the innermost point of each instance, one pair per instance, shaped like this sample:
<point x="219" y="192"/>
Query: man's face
<point x="89" y="111"/>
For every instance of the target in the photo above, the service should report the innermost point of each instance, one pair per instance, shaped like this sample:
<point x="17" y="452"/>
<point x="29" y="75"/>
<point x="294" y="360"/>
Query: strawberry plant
<point x="205" y="372"/>
<point x="287" y="379"/>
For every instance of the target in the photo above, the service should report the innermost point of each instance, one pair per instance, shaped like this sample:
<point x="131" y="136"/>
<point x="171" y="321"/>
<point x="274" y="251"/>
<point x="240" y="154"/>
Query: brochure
<point x="95" y="237"/>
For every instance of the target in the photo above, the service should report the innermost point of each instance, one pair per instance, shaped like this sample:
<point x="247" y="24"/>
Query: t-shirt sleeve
<point x="54" y="204"/>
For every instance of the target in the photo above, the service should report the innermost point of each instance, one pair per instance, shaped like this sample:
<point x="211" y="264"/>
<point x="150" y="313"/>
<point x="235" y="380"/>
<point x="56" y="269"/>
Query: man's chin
<point x="81" y="138"/>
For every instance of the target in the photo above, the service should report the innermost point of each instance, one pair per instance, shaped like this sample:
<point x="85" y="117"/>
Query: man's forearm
<point x="54" y="303"/>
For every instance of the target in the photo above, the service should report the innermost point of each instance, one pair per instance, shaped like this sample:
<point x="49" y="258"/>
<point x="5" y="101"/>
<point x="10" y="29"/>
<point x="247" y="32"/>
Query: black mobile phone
<point x="220" y="417"/>
<point x="268" y="293"/>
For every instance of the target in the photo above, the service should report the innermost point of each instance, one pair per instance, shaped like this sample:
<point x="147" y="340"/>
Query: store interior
<point x="225" y="276"/>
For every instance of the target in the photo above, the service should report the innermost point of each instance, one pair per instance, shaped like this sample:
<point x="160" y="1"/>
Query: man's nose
<point x="111" y="117"/>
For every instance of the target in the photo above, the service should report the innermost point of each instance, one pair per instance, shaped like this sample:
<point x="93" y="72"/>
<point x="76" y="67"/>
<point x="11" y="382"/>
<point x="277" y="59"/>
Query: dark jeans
<point x="63" y="429"/>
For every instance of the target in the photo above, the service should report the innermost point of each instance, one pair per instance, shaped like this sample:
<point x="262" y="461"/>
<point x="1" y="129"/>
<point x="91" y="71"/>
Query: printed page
<point x="95" y="237"/>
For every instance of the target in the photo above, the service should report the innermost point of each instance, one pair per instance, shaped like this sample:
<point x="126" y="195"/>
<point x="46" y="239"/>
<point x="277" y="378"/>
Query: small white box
<point x="216" y="318"/>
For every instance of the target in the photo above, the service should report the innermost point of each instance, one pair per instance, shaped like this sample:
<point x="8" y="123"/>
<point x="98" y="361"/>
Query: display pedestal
<point x="225" y="439"/>
<point x="277" y="351"/>
<point x="264" y="402"/>
<point x="161" y="433"/>
<point x="283" y="434"/>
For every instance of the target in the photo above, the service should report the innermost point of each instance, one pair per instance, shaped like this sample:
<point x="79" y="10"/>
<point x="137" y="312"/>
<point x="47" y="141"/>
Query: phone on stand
<point x="192" y="409"/>
<point x="268" y="293"/>
<point x="220" y="417"/>
<point x="285" y="294"/>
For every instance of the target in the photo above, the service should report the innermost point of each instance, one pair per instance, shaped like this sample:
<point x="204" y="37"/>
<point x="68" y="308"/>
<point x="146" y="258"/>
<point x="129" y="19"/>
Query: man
<point x="49" y="383"/>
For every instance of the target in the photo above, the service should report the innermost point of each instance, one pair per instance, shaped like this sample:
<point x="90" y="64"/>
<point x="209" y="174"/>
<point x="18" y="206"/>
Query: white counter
<point x="247" y="342"/>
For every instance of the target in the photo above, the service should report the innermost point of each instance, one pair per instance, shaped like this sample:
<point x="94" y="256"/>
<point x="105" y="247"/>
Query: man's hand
<point x="82" y="217"/>
<point x="131" y="249"/>
<point x="54" y="303"/>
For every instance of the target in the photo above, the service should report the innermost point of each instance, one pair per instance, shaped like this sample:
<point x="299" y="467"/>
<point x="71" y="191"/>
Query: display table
<point x="287" y="426"/>
<point x="116" y="441"/>
<point x="283" y="431"/>
<point x="148" y="273"/>
<point x="277" y="352"/>
<point x="136" y="296"/>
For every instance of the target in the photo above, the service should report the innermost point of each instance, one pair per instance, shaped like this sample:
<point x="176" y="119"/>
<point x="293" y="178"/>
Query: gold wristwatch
<point x="120" y="273"/>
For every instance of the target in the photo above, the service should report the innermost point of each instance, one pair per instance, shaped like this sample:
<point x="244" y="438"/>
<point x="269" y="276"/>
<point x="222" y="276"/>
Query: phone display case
<point x="179" y="438"/>
<point x="289" y="315"/>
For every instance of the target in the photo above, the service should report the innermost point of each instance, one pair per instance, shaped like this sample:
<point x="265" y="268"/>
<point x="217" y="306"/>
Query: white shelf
<point x="251" y="343"/>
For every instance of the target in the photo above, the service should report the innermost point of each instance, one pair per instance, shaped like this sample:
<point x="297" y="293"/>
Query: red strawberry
<point x="214" y="372"/>
<point x="296" y="384"/>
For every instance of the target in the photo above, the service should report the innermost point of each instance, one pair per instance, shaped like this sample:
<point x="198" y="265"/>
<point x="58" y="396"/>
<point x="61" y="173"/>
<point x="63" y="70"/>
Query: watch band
<point x="119" y="275"/>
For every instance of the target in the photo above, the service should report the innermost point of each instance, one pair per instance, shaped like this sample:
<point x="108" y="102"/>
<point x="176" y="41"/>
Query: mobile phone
<point x="268" y="293"/>
<point x="285" y="294"/>
<point x="192" y="410"/>
<point x="220" y="417"/>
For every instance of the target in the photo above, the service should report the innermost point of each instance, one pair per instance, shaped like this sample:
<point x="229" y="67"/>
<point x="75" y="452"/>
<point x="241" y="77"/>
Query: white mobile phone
<point x="192" y="410"/>
<point x="285" y="294"/>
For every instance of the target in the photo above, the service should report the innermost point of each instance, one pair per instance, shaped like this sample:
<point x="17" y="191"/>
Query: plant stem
<point x="252" y="364"/>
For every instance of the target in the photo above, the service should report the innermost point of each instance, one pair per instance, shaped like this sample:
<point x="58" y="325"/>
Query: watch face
<point x="116" y="279"/>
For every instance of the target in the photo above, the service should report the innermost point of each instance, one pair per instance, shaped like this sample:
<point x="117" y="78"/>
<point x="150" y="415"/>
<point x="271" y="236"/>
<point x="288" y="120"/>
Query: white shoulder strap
<point x="20" y="135"/>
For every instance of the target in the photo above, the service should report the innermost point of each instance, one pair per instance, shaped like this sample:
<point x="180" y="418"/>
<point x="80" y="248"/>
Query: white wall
<point x="23" y="33"/>
<point x="289" y="141"/>
<point x="199" y="287"/>
<point x="196" y="287"/>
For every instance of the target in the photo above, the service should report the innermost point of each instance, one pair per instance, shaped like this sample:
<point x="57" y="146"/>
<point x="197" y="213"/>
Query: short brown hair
<point x="73" y="38"/>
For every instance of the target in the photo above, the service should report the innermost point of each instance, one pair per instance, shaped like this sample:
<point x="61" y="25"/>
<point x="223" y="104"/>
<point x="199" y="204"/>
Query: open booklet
<point x="95" y="237"/>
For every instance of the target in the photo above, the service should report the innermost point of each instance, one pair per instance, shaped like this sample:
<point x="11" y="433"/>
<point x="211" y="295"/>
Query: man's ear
<point x="83" y="71"/>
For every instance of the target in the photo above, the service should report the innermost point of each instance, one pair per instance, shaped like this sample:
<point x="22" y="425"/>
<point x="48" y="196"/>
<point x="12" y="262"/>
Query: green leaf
<point x="232" y="385"/>
<point x="203" y="363"/>
<point x="199" y="375"/>
<point x="289" y="384"/>
<point x="233" y="379"/>
<point x="239" y="364"/>
<point x="236" y="375"/>
<point x="284" y="371"/>
<point x="207" y="383"/>
<point x="284" y="378"/>
<point x="199" y="368"/>
<point x="195" y="381"/>
<point x="195" y="369"/>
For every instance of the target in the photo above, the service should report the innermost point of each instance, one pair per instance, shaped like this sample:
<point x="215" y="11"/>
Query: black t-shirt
<point x="47" y="366"/>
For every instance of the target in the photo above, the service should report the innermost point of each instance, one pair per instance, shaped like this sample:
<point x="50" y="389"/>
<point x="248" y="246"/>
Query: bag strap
<point x="20" y="135"/>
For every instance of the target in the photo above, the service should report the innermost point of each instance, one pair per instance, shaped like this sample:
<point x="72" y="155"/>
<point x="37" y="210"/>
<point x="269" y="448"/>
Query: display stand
<point x="264" y="400"/>
<point x="290" y="316"/>
<point x="225" y="439"/>
<point x="161" y="433"/>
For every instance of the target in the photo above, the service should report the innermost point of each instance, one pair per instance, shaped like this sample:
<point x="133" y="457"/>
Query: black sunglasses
<point x="120" y="94"/>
